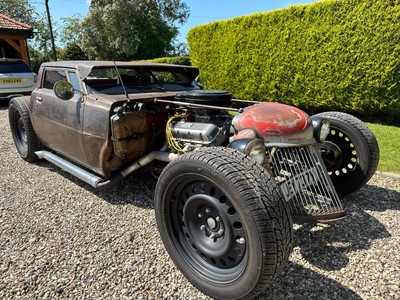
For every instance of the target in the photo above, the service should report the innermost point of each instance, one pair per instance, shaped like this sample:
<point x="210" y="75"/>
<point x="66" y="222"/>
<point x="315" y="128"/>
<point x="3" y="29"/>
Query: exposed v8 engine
<point x="198" y="126"/>
<point x="198" y="133"/>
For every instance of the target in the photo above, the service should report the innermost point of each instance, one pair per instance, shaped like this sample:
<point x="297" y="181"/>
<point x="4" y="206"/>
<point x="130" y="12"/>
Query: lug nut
<point x="218" y="219"/>
<point x="200" y="215"/>
<point x="208" y="210"/>
<point x="203" y="227"/>
<point x="241" y="240"/>
<point x="220" y="232"/>
<point x="212" y="236"/>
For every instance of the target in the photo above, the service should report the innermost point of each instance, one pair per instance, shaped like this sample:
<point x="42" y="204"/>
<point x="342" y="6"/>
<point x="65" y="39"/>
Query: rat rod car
<point x="231" y="173"/>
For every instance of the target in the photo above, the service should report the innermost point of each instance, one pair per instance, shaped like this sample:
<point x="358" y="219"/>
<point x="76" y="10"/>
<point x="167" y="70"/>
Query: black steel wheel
<point x="21" y="128"/>
<point x="226" y="232"/>
<point x="350" y="153"/>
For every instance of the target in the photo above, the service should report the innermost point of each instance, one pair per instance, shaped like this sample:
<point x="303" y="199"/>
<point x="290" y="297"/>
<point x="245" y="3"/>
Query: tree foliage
<point x="129" y="29"/>
<point x="71" y="33"/>
<point x="20" y="10"/>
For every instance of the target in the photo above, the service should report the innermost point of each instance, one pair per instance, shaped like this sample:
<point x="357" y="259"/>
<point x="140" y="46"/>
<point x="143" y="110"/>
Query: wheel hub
<point x="332" y="156"/>
<point x="339" y="153"/>
<point x="214" y="228"/>
<point x="21" y="130"/>
<point x="211" y="225"/>
<point x="205" y="226"/>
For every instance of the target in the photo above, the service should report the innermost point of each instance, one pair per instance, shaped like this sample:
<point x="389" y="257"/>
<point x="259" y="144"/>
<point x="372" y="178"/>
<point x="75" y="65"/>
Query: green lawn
<point x="389" y="143"/>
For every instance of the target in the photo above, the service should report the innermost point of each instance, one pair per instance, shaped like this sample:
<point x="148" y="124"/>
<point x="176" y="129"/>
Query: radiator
<point x="305" y="183"/>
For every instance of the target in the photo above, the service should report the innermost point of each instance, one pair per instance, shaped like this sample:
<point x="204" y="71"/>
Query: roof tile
<point x="9" y="23"/>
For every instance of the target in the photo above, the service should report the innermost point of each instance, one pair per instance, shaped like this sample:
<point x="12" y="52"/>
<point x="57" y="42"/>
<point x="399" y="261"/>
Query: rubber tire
<point x="257" y="199"/>
<point x="366" y="152"/>
<point x="24" y="137"/>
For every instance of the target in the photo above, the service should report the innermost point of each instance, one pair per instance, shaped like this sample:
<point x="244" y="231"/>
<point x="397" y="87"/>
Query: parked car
<point x="16" y="78"/>
<point x="233" y="172"/>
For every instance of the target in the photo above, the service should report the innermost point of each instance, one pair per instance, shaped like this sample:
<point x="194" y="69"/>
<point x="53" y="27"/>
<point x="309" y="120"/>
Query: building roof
<point x="10" y="25"/>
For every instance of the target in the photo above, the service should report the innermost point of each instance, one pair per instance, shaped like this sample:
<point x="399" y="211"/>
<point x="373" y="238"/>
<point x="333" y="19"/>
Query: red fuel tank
<point x="273" y="122"/>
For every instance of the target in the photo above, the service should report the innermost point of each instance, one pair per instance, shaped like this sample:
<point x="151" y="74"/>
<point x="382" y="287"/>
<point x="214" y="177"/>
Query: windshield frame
<point x="138" y="79"/>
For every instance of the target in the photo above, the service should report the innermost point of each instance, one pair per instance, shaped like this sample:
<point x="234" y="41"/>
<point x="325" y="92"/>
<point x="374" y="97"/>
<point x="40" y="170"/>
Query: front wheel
<point x="22" y="130"/>
<point x="226" y="232"/>
<point x="350" y="152"/>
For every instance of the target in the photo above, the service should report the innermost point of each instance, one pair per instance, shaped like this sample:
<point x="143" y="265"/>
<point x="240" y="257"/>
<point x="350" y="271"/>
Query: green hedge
<point x="342" y="55"/>
<point x="176" y="60"/>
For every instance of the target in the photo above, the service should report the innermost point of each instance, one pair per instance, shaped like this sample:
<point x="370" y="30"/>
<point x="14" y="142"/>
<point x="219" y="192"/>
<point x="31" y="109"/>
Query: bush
<point x="342" y="55"/>
<point x="176" y="60"/>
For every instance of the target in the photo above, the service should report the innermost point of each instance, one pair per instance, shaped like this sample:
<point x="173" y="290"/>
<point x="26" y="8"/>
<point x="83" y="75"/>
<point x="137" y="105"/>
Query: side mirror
<point x="199" y="81"/>
<point x="64" y="90"/>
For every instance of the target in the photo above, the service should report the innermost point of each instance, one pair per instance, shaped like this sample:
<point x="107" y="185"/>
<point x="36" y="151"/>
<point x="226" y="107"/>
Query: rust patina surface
<point x="80" y="128"/>
<point x="273" y="122"/>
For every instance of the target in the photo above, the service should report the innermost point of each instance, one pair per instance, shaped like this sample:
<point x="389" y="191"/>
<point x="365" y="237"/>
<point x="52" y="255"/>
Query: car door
<point x="58" y="122"/>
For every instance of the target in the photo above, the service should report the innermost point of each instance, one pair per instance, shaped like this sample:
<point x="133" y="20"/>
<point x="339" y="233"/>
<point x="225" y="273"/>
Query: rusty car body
<point x="231" y="173"/>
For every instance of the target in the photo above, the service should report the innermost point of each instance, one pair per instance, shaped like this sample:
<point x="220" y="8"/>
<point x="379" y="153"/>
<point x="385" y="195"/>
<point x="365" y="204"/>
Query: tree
<point x="42" y="37"/>
<point x="131" y="29"/>
<point x="70" y="35"/>
<point x="20" y="10"/>
<point x="72" y="52"/>
<point x="71" y="32"/>
<point x="180" y="49"/>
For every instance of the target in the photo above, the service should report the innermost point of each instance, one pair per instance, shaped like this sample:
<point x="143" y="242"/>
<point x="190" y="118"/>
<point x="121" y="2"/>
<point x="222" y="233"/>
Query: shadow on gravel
<point x="355" y="232"/>
<point x="4" y="104"/>
<point x="297" y="282"/>
<point x="137" y="189"/>
<point x="315" y="241"/>
<point x="375" y="198"/>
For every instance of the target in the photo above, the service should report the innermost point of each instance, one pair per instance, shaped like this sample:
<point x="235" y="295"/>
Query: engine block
<point x="198" y="133"/>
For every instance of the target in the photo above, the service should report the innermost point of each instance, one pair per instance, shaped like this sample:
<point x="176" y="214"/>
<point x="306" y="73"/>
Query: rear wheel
<point x="350" y="152"/>
<point x="22" y="131"/>
<point x="227" y="232"/>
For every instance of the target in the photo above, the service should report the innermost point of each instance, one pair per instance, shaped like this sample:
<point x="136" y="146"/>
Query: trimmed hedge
<point x="176" y="60"/>
<point x="342" y="55"/>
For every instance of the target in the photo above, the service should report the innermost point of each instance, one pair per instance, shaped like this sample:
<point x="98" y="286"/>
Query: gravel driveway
<point x="62" y="239"/>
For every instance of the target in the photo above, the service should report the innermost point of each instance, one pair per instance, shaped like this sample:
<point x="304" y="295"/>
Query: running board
<point x="96" y="181"/>
<point x="78" y="172"/>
